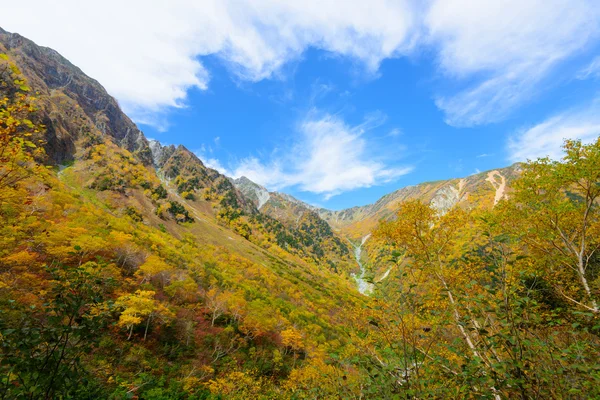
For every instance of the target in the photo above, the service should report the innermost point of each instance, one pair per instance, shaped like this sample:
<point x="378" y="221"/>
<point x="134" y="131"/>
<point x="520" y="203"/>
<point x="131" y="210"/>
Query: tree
<point x="554" y="212"/>
<point x="139" y="306"/>
<point x="42" y="349"/>
<point x="20" y="138"/>
<point x="434" y="245"/>
<point x="155" y="268"/>
<point x="216" y="302"/>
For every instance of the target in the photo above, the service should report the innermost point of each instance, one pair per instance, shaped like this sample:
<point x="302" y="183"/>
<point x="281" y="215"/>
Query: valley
<point x="130" y="269"/>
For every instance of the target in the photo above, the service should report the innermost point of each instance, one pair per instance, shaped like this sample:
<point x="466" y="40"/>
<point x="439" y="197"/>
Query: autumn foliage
<point x="118" y="282"/>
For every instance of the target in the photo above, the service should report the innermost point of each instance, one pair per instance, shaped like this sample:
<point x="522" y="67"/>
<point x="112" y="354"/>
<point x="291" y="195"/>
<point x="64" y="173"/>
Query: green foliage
<point x="179" y="212"/>
<point x="133" y="214"/>
<point x="482" y="303"/>
<point x="42" y="348"/>
<point x="497" y="303"/>
<point x="160" y="192"/>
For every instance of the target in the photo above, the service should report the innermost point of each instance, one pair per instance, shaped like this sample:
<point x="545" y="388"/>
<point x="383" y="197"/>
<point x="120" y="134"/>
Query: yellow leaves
<point x="18" y="153"/>
<point x="139" y="306"/>
<point x="182" y="286"/>
<point x="5" y="281"/>
<point x="153" y="267"/>
<point x="128" y="319"/>
<point x="140" y="303"/>
<point x="191" y="384"/>
<point x="91" y="244"/>
<point x="237" y="385"/>
<point x="317" y="379"/>
<point x="292" y="338"/>
<point x="162" y="210"/>
<point x="20" y="258"/>
<point x="118" y="238"/>
<point x="261" y="318"/>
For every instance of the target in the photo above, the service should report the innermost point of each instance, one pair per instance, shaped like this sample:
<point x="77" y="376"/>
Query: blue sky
<point x="341" y="105"/>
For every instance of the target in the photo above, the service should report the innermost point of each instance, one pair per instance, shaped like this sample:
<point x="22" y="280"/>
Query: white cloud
<point x="395" y="132"/>
<point x="146" y="52"/>
<point x="329" y="158"/>
<point x="592" y="70"/>
<point x="546" y="139"/>
<point x="211" y="162"/>
<point x="215" y="164"/>
<point x="503" y="50"/>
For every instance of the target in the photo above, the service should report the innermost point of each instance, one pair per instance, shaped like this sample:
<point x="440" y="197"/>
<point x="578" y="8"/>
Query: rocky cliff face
<point x="252" y="191"/>
<point x="480" y="190"/>
<point x="280" y="206"/>
<point x="190" y="175"/>
<point x="160" y="153"/>
<point x="446" y="198"/>
<point x="72" y="103"/>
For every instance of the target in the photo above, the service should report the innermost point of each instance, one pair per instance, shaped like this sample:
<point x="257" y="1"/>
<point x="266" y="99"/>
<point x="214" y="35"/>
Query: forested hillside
<point x="129" y="269"/>
<point x="125" y="274"/>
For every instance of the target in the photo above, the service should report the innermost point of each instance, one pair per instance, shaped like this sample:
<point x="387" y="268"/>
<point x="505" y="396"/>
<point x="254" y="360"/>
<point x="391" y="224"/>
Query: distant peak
<point x="253" y="191"/>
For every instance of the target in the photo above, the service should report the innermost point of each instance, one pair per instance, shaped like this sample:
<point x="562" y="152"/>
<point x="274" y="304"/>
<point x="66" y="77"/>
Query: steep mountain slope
<point x="253" y="191"/>
<point x="78" y="113"/>
<point x="72" y="103"/>
<point x="223" y="290"/>
<point x="301" y="218"/>
<point x="479" y="190"/>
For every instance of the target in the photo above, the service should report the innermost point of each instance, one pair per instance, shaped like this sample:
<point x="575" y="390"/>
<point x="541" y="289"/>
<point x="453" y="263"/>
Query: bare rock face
<point x="72" y="102"/>
<point x="445" y="198"/>
<point x="160" y="153"/>
<point x="252" y="191"/>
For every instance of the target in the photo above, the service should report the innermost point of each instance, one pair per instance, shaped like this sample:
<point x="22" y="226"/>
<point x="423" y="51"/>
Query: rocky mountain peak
<point x="252" y="191"/>
<point x="159" y="152"/>
<point x="65" y="90"/>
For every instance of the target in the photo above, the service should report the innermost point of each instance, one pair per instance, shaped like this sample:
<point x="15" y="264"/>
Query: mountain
<point x="152" y="224"/>
<point x="478" y="191"/>
<point x="129" y="269"/>
<point x="253" y="191"/>
<point x="300" y="219"/>
<point x="72" y="104"/>
<point x="482" y="190"/>
<point x="281" y="206"/>
<point x="76" y="109"/>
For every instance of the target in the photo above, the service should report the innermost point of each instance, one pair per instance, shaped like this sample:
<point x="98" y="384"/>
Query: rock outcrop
<point x="72" y="103"/>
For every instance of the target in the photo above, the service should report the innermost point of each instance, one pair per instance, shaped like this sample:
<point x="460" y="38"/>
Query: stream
<point x="364" y="287"/>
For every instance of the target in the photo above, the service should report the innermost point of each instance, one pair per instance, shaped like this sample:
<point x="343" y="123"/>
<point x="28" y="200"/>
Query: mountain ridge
<point x="129" y="269"/>
<point x="447" y="193"/>
<point x="79" y="114"/>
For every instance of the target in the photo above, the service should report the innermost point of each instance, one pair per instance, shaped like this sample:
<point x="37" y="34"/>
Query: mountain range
<point x="74" y="104"/>
<point x="130" y="269"/>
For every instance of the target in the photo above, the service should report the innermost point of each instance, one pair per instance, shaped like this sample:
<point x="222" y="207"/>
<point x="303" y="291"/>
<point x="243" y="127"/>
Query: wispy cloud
<point x="329" y="157"/>
<point x="211" y="162"/>
<point x="546" y="138"/>
<point x="499" y="52"/>
<point x="148" y="55"/>
<point x="395" y="132"/>
<point x="503" y="50"/>
<point x="592" y="70"/>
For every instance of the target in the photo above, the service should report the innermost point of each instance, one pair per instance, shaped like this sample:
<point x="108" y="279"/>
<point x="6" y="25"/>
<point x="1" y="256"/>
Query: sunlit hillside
<point x="135" y="269"/>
